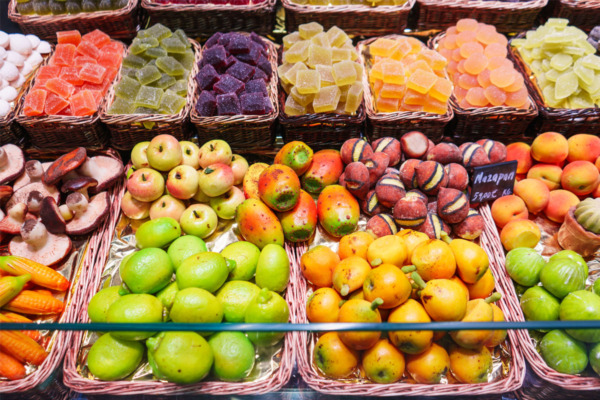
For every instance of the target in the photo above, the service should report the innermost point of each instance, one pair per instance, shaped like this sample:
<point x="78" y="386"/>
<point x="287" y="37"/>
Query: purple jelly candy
<point x="260" y="74"/>
<point x="229" y="84"/>
<point x="251" y="57"/>
<point x="213" y="40"/>
<point x="241" y="71"/>
<point x="264" y="64"/>
<point x="268" y="105"/>
<point x="257" y="39"/>
<point x="224" y="40"/>
<point x="207" y="104"/>
<point x="239" y="44"/>
<point x="207" y="77"/>
<point x="228" y="104"/>
<point x="215" y="56"/>
<point x="252" y="104"/>
<point x="257" y="86"/>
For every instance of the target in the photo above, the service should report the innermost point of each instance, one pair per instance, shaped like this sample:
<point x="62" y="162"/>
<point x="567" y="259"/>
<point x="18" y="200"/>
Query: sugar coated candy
<point x="228" y="104"/>
<point x="148" y="97"/>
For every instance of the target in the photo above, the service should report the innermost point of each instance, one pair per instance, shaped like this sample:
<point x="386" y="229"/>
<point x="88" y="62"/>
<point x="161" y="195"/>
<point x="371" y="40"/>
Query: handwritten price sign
<point x="493" y="181"/>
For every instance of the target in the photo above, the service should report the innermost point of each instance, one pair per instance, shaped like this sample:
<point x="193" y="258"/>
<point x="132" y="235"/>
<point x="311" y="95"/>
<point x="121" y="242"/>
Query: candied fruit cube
<point x="83" y="103"/>
<point x="88" y="49"/>
<point x="327" y="99"/>
<point x="260" y="74"/>
<point x="35" y="102"/>
<point x="171" y="103"/>
<point x="165" y="82"/>
<point x="302" y="99"/>
<point x="154" y="52"/>
<point x="297" y="53"/>
<point x="80" y="61"/>
<point x="321" y="39"/>
<point x="180" y="87"/>
<point x="344" y="73"/>
<point x="393" y="72"/>
<point x="133" y="61"/>
<point x="239" y="44"/>
<point x="252" y="104"/>
<point x="354" y="97"/>
<point x="228" y="104"/>
<point x="265" y="65"/>
<point x="64" y="54"/>
<point x="158" y="31"/>
<point x="257" y="86"/>
<point x="71" y="75"/>
<point x="187" y="59"/>
<point x="290" y="39"/>
<point x="97" y="38"/>
<point x="292" y="73"/>
<point x="318" y="55"/>
<point x="140" y="45"/>
<point x="127" y="88"/>
<point x="93" y="73"/>
<point x="308" y="81"/>
<point x="434" y="106"/>
<point x="148" y="74"/>
<point x="251" y="57"/>
<point x="144" y="110"/>
<point x="215" y="56"/>
<point x="241" y="70"/>
<point x="213" y="40"/>
<point x="207" y="104"/>
<point x="121" y="106"/>
<point x="228" y="84"/>
<point x="336" y="36"/>
<point x="72" y="37"/>
<point x="170" y="66"/>
<point x="421" y="81"/>
<point x="207" y="77"/>
<point x="110" y="60"/>
<point x="292" y="108"/>
<point x="173" y="45"/>
<point x="338" y="54"/>
<point x="392" y="90"/>
<point x="384" y="47"/>
<point x="441" y="90"/>
<point x="326" y="73"/>
<point x="60" y="87"/>
<point x="419" y="65"/>
<point x="309" y="30"/>
<point x="414" y="98"/>
<point x="148" y="97"/>
<point x="387" y="105"/>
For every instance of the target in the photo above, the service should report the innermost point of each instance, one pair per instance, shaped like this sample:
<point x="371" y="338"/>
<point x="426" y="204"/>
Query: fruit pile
<point x="47" y="7"/>
<point x="482" y="74"/>
<point x="192" y="285"/>
<point x="193" y="196"/>
<point x="565" y="171"/>
<point x="320" y="73"/>
<point x="154" y="77"/>
<point x="406" y="76"/>
<point x="426" y="193"/>
<point x="372" y="3"/>
<point x="19" y="57"/>
<point x="78" y="76"/>
<point x="564" y="64"/>
<point x="368" y="280"/>
<point x="233" y="76"/>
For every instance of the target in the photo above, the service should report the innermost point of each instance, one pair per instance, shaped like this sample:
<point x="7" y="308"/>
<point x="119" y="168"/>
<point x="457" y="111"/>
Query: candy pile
<point x="77" y="77"/>
<point x="216" y="2"/>
<point x="319" y="72"/>
<point x="482" y="75"/>
<point x="372" y="3"/>
<point x="47" y="7"/>
<point x="155" y="73"/>
<point x="563" y="62"/>
<point x="233" y="76"/>
<point x="19" y="56"/>
<point x="406" y="76"/>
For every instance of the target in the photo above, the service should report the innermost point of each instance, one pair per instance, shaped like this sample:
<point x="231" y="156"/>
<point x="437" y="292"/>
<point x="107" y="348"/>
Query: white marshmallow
<point x="2" y="53"/>
<point x="26" y="69"/>
<point x="44" y="47"/>
<point x="18" y="83"/>
<point x="4" y="40"/>
<point x="34" y="40"/>
<point x="4" y="108"/>
<point x="34" y="59"/>
<point x="20" y="44"/>
<point x="9" y="93"/>
<point x="9" y="71"/>
<point x="3" y="83"/>
<point x="1" y="62"/>
<point x="15" y="58"/>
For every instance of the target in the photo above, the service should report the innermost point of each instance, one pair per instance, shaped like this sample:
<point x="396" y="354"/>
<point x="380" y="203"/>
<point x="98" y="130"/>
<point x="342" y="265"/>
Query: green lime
<point x="235" y="296"/>
<point x="184" y="247"/>
<point x="111" y="359"/>
<point x="180" y="357"/>
<point x="167" y="295"/>
<point x="147" y="271"/>
<point x="196" y="305"/>
<point x="135" y="308"/>
<point x="159" y="232"/>
<point x="234" y="355"/>
<point x="245" y="255"/>
<point x="273" y="268"/>
<point x="267" y="306"/>
<point x="101" y="301"/>
<point x="204" y="270"/>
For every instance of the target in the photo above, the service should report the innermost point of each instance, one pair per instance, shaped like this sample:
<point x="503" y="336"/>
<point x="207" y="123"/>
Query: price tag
<point x="493" y="181"/>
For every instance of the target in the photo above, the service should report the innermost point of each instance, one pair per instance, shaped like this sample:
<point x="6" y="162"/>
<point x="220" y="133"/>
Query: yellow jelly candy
<point x="434" y="106"/>
<point x="282" y="70"/>
<point x="308" y="81"/>
<point x="566" y="84"/>
<point x="318" y="55"/>
<point x="292" y="73"/>
<point x="360" y="70"/>
<point x="327" y="99"/>
<point x="441" y="90"/>
<point x="292" y="108"/>
<point x="321" y="40"/>
<point x="392" y="90"/>
<point x="337" y="37"/>
<point x="298" y="52"/>
<point x="393" y="72"/>
<point x="421" y="81"/>
<point x="339" y="54"/>
<point x="344" y="73"/>
<point x="354" y="97"/>
<point x="561" y="62"/>
<point x="414" y="98"/>
<point x="585" y="74"/>
<point x="386" y="105"/>
<point x="302" y="99"/>
<point x="383" y="47"/>
<point x="326" y="73"/>
<point x="289" y="40"/>
<point x="402" y="50"/>
<point x="376" y="72"/>
<point x="309" y="30"/>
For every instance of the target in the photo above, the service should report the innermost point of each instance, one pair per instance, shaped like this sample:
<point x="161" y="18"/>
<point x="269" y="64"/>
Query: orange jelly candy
<point x="503" y="76"/>
<point x="475" y="64"/>
<point x="72" y="37"/>
<point x="93" y="73"/>
<point x="476" y="97"/>
<point x="467" y="24"/>
<point x="495" y="95"/>
<point x="71" y="75"/>
<point x="517" y="99"/>
<point x="47" y="72"/>
<point x="421" y="81"/>
<point x="64" y="54"/>
<point x="441" y="90"/>
<point x="60" y="87"/>
<point x="54" y="104"/>
<point x="390" y="90"/>
<point x="83" y="103"/>
<point x="35" y="102"/>
<point x="97" y="38"/>
<point x="387" y="104"/>
<point x="467" y="81"/>
<point x="495" y="50"/>
<point x="468" y="49"/>
<point x="88" y="49"/>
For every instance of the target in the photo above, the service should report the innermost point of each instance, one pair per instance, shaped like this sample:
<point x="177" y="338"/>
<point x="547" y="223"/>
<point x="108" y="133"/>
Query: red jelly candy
<point x="60" y="87"/>
<point x="88" y="49"/>
<point x="71" y="75"/>
<point x="82" y="60"/>
<point x="54" y="104"/>
<point x="47" y="72"/>
<point x="73" y="37"/>
<point x="93" y="73"/>
<point x="35" y="102"/>
<point x="64" y="54"/>
<point x="83" y="103"/>
<point x="97" y="38"/>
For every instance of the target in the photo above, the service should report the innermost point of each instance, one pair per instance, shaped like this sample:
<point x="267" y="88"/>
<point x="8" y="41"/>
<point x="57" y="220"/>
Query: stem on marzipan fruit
<point x="231" y="264"/>
<point x="418" y="280"/>
<point x="264" y="296"/>
<point x="494" y="297"/>
<point x="376" y="262"/>
<point x="341" y="303"/>
<point x="445" y="237"/>
<point x="408" y="268"/>
<point x="345" y="289"/>
<point x="376" y="303"/>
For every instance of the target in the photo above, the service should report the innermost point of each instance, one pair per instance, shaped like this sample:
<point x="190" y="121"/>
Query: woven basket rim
<point x="199" y="120"/>
<point x="119" y="119"/>
<point x="565" y="381"/>
<point x="534" y="90"/>
<point x="350" y="9"/>
<point x="486" y="5"/>
<point x="18" y="18"/>
<point x="68" y="119"/>
<point x="149" y="4"/>
<point x="513" y="381"/>
<point x="394" y="116"/>
<point x="581" y="4"/>
<point x="532" y="111"/>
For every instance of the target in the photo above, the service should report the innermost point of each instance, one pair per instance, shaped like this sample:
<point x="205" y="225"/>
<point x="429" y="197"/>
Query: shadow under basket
<point x="569" y="122"/>
<point x="118" y="24"/>
<point x="206" y="19"/>
<point x="128" y="130"/>
<point x="584" y="14"/>
<point x="353" y="19"/>
<point x="506" y="16"/>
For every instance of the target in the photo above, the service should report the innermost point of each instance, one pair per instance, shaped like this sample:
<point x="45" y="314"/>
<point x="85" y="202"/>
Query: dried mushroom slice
<point x="39" y="245"/>
<point x="12" y="163"/>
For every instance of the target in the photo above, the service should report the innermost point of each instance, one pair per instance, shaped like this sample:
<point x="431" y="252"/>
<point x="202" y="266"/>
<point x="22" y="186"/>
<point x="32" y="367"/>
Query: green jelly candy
<point x="121" y="106"/>
<point x="127" y="88"/>
<point x="180" y="87"/>
<point x="149" y="97"/>
<point x="144" y="110"/>
<point x="186" y="59"/>
<point x="164" y="82"/>
<point x="180" y="34"/>
<point x="140" y="45"/>
<point x="170" y="66"/>
<point x="561" y="62"/>
<point x="148" y="74"/>
<point x="134" y="61"/>
<point x="158" y="31"/>
<point x="173" y="45"/>
<point x="566" y="84"/>
<point x="155" y="52"/>
<point x="585" y="74"/>
<point x="171" y="103"/>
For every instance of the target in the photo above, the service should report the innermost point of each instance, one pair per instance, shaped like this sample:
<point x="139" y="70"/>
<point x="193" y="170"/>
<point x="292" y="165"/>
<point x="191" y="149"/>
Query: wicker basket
<point x="565" y="381"/>
<point x="508" y="17"/>
<point x="359" y="20"/>
<point x="10" y="131"/>
<point x="318" y="382"/>
<point x="61" y="340"/>
<point x="128" y="130"/>
<point x="504" y="124"/>
<point x="119" y="24"/>
<point x="64" y="132"/>
<point x="242" y="132"/>
<point x="584" y="14"/>
<point x="566" y="121"/>
<point x="397" y="123"/>
<point x="206" y="19"/>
